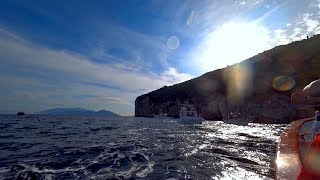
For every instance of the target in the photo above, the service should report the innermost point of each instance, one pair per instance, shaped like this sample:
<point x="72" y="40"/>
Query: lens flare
<point x="283" y="83"/>
<point x="173" y="42"/>
<point x="239" y="81"/>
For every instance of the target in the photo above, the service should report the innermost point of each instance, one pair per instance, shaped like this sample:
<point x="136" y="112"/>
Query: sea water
<point x="66" y="147"/>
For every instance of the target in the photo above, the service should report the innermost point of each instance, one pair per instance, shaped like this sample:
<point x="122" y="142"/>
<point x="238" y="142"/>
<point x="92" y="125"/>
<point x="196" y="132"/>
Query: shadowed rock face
<point x="259" y="87"/>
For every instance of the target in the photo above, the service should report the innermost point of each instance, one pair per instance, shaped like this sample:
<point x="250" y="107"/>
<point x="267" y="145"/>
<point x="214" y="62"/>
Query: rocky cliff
<point x="259" y="87"/>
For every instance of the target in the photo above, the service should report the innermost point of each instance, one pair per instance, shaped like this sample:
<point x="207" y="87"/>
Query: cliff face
<point x="259" y="87"/>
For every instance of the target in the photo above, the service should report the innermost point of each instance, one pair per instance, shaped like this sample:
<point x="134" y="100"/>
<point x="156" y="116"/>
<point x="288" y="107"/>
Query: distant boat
<point x="188" y="115"/>
<point x="160" y="115"/>
<point x="237" y="119"/>
<point x="21" y="113"/>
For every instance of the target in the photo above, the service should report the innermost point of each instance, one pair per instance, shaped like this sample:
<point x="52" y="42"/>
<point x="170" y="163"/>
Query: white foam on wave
<point x="48" y="171"/>
<point x="105" y="170"/>
<point x="4" y="170"/>
<point x="137" y="169"/>
<point x="238" y="173"/>
<point x="111" y="143"/>
<point x="196" y="150"/>
<point x="128" y="174"/>
<point x="48" y="176"/>
<point x="147" y="170"/>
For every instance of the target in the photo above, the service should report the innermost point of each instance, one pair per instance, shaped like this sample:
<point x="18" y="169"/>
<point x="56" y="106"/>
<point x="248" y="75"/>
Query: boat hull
<point x="288" y="161"/>
<point x="191" y="120"/>
<point x="160" y="117"/>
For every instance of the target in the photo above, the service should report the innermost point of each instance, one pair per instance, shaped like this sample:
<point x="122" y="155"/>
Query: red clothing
<point x="308" y="171"/>
<point x="307" y="175"/>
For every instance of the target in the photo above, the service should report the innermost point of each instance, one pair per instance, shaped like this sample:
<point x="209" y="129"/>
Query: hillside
<point x="76" y="112"/>
<point x="260" y="86"/>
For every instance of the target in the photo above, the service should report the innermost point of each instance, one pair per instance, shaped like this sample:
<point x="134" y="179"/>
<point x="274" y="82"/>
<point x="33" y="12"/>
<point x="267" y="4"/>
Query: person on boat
<point x="309" y="97"/>
<point x="311" y="166"/>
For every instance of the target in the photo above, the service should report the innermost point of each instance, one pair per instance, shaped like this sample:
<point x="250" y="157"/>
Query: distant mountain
<point x="106" y="113"/>
<point x="77" y="112"/>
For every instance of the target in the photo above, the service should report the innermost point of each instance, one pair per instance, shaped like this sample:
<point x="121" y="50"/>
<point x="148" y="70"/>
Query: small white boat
<point x="188" y="115"/>
<point x="160" y="116"/>
<point x="237" y="119"/>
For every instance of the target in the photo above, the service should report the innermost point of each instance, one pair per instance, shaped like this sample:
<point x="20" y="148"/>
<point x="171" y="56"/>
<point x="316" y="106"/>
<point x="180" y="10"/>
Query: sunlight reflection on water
<point x="228" y="141"/>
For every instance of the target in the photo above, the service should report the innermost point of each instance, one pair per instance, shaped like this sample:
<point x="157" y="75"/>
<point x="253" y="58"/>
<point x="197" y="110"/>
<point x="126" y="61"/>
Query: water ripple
<point x="54" y="147"/>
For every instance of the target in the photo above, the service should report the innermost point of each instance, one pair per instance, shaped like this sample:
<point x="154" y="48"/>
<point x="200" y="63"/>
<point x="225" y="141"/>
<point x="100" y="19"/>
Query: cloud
<point x="272" y="11"/>
<point x="73" y="65"/>
<point x="311" y="24"/>
<point x="163" y="59"/>
<point x="174" y="76"/>
<point x="61" y="73"/>
<point x="136" y="51"/>
<point x="131" y="42"/>
<point x="209" y="14"/>
<point x="281" y="37"/>
<point x="189" y="21"/>
<point x="107" y="100"/>
<point x="304" y="25"/>
<point x="34" y="96"/>
<point x="279" y="31"/>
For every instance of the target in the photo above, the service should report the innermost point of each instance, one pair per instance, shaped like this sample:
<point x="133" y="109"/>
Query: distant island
<point x="259" y="87"/>
<point x="21" y="113"/>
<point x="77" y="112"/>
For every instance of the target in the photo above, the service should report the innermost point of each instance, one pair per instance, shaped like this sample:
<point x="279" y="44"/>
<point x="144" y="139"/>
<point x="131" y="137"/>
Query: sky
<point x="103" y="54"/>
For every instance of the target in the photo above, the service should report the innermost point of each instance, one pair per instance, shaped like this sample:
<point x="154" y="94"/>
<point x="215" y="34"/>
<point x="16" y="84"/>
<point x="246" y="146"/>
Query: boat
<point x="237" y="119"/>
<point x="160" y="116"/>
<point x="292" y="148"/>
<point x="297" y="152"/>
<point x="188" y="115"/>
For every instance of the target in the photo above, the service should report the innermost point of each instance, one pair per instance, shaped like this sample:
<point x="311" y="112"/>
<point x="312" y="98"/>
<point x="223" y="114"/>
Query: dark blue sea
<point x="65" y="147"/>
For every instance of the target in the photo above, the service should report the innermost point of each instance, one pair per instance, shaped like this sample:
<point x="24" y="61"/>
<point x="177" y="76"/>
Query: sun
<point x="231" y="43"/>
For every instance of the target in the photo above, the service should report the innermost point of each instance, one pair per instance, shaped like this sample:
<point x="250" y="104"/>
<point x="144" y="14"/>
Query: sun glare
<point x="231" y="43"/>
